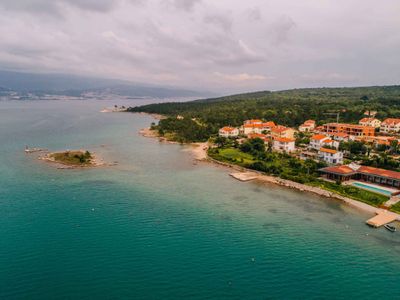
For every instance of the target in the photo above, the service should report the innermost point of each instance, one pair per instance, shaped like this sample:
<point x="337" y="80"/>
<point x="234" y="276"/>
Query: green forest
<point x="203" y="118"/>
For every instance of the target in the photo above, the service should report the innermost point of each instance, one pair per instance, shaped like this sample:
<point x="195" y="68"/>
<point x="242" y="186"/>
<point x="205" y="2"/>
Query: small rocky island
<point x="73" y="159"/>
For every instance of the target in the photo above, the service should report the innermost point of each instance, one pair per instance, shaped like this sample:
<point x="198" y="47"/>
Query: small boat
<point x="390" y="227"/>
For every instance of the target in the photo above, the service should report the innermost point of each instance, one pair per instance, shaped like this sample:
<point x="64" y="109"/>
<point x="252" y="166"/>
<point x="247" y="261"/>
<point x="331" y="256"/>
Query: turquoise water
<point x="158" y="227"/>
<point x="372" y="188"/>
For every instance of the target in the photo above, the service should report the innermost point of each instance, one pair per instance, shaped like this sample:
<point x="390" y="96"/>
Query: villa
<point x="340" y="136"/>
<point x="390" y="125"/>
<point x="307" y="126"/>
<point x="228" y="132"/>
<point x="365" y="173"/>
<point x="257" y="126"/>
<point x="283" y="132"/>
<point x="283" y="144"/>
<point x="373" y="122"/>
<point x="316" y="141"/>
<point x="330" y="156"/>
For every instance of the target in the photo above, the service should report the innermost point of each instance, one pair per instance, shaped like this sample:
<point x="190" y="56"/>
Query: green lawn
<point x="232" y="155"/>
<point x="396" y="207"/>
<point x="352" y="192"/>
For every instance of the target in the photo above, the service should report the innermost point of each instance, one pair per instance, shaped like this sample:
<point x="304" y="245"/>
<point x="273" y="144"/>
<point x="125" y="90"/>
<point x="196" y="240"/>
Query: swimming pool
<point x="372" y="188"/>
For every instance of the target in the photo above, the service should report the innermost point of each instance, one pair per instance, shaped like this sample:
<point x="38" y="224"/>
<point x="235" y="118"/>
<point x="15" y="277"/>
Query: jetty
<point x="245" y="176"/>
<point x="382" y="217"/>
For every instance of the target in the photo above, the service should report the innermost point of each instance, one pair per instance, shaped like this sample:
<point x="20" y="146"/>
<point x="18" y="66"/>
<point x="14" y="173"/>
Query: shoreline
<point x="199" y="151"/>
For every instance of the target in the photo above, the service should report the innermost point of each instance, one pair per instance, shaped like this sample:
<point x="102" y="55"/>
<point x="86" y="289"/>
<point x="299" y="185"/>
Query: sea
<point x="158" y="225"/>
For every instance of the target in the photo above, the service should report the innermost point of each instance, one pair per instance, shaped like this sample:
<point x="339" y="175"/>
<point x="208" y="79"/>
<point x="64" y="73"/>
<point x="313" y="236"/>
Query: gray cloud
<point x="223" y="45"/>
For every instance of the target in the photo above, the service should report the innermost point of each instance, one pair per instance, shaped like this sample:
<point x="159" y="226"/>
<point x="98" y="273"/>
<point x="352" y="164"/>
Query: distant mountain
<point x="71" y="85"/>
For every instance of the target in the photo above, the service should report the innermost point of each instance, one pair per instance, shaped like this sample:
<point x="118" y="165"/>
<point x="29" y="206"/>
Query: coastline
<point x="199" y="151"/>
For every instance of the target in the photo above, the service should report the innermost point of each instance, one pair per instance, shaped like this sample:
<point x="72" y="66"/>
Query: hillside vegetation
<point x="290" y="108"/>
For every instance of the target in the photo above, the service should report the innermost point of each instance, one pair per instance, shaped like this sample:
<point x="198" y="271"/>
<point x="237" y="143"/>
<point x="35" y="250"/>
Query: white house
<point x="390" y="125"/>
<point x="330" y="143"/>
<point x="374" y="122"/>
<point x="228" y="132"/>
<point x="330" y="156"/>
<point x="257" y="126"/>
<point x="307" y="126"/>
<point x="283" y="144"/>
<point x="317" y="141"/>
<point x="340" y="136"/>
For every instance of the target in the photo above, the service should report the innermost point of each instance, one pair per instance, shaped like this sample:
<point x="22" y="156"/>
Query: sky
<point x="224" y="46"/>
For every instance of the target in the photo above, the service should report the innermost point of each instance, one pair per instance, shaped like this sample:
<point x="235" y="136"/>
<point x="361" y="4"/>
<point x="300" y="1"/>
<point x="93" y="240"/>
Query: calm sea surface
<point x="158" y="227"/>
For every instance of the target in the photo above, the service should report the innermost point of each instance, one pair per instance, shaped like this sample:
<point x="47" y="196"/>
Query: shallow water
<point x="157" y="226"/>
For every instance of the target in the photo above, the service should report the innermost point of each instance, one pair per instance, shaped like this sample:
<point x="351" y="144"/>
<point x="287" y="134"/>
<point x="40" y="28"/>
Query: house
<point x="373" y="122"/>
<point x="283" y="144"/>
<point x="364" y="173"/>
<point x="252" y="128"/>
<point x="252" y="122"/>
<point x="330" y="156"/>
<point x="282" y="131"/>
<point x="307" y="126"/>
<point x="370" y="113"/>
<point x="316" y="141"/>
<point x="228" y="132"/>
<point x="329" y="143"/>
<point x="267" y="126"/>
<point x="340" y="137"/>
<point x="350" y="129"/>
<point x="390" y="125"/>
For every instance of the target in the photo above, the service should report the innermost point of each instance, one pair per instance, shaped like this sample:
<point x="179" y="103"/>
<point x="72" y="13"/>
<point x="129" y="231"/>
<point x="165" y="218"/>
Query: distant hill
<point x="290" y="107"/>
<point x="62" y="84"/>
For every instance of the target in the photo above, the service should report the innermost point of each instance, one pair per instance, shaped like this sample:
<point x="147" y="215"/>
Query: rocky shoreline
<point x="200" y="153"/>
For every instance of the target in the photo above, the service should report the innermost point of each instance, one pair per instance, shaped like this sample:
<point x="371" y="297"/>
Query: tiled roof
<point x="391" y="121"/>
<point x="227" y="129"/>
<point x="318" y="137"/>
<point x="284" y="140"/>
<point x="328" y="150"/>
<point x="346" y="170"/>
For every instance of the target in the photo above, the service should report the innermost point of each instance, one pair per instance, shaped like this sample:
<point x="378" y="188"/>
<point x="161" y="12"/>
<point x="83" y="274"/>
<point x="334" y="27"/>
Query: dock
<point x="383" y="217"/>
<point x="245" y="176"/>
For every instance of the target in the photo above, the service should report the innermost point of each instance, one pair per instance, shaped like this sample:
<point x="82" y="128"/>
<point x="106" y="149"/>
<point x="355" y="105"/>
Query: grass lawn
<point x="233" y="155"/>
<point x="396" y="207"/>
<point x="352" y="192"/>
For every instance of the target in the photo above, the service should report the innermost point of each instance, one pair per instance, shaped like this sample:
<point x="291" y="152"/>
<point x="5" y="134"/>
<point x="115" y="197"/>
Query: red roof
<point x="346" y="170"/>
<point x="342" y="170"/>
<point x="318" y="137"/>
<point x="379" y="172"/>
<point x="279" y="129"/>
<point x="253" y="125"/>
<point x="309" y="122"/>
<point x="391" y="121"/>
<point x="328" y="150"/>
<point x="365" y="120"/>
<point x="284" y="140"/>
<point x="256" y="135"/>
<point x="269" y="124"/>
<point x="227" y="129"/>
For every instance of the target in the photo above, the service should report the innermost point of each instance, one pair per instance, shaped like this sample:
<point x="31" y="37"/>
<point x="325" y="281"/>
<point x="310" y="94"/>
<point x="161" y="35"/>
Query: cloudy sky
<point x="218" y="45"/>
